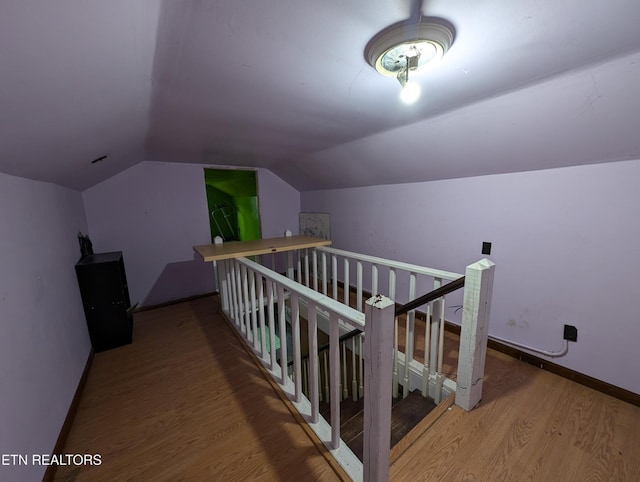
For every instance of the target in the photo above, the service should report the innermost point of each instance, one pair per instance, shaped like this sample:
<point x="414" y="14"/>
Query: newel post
<point x="478" y="289"/>
<point x="378" y="368"/>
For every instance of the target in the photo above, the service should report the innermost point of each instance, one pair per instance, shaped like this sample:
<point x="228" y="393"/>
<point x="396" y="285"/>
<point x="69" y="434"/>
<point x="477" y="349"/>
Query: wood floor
<point x="172" y="406"/>
<point x="531" y="425"/>
<point x="185" y="402"/>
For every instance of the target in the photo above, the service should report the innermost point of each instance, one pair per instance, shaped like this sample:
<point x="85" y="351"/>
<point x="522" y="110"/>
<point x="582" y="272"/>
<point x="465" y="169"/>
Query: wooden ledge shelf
<point x="237" y="249"/>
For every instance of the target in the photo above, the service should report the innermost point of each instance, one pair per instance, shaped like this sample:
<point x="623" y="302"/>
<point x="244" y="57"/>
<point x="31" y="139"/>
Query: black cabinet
<point x="105" y="297"/>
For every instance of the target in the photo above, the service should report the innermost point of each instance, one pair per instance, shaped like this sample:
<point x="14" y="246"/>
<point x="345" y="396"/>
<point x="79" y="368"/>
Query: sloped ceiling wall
<point x="285" y="86"/>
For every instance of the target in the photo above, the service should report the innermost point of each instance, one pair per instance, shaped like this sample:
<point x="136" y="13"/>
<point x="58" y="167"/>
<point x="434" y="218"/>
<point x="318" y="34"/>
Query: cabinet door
<point x="109" y="328"/>
<point x="102" y="286"/>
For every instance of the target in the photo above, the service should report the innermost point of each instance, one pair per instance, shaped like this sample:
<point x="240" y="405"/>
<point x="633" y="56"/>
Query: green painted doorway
<point x="232" y="198"/>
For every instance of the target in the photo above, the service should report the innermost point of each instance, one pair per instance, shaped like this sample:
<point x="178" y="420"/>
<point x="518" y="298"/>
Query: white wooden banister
<point x="379" y="313"/>
<point x="478" y="288"/>
<point x="259" y="297"/>
<point x="260" y="303"/>
<point x="421" y="270"/>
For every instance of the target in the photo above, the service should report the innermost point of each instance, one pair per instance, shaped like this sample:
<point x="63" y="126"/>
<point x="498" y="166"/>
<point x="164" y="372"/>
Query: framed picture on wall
<point x="317" y="225"/>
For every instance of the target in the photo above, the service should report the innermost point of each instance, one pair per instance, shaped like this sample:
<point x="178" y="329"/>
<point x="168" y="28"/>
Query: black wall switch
<point x="486" y="248"/>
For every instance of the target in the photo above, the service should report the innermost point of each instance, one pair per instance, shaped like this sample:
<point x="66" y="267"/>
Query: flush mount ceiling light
<point x="405" y="47"/>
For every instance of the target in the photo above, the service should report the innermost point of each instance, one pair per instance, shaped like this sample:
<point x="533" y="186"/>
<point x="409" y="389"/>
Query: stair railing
<point x="474" y="332"/>
<point x="432" y="380"/>
<point x="255" y="300"/>
<point x="327" y="269"/>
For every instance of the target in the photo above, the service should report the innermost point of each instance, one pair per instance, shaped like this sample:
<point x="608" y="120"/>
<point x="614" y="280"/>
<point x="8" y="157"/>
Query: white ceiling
<point x="284" y="85"/>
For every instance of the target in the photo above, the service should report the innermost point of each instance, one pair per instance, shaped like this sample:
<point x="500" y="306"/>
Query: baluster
<point x="326" y="377"/>
<point x="345" y="383"/>
<point x="290" y="273"/>
<point x="409" y="335"/>
<point x="345" y="290"/>
<point x="334" y="375"/>
<point x="283" y="333"/>
<point x="439" y="378"/>
<point x="392" y="296"/>
<point x="306" y="267"/>
<point x="263" y="337"/>
<point x="221" y="268"/>
<point x="227" y="273"/>
<point x="392" y="284"/>
<point x="374" y="279"/>
<point x="314" y="372"/>
<point x="324" y="273"/>
<point x="232" y="283"/>
<point x="254" y="314"/>
<point x="425" y="368"/>
<point x="305" y="378"/>
<point x="396" y="376"/>
<point x="298" y="266"/>
<point x="354" y="375"/>
<point x="247" y="313"/>
<point x="272" y="324"/>
<point x="361" y="363"/>
<point x="295" y="337"/>
<point x="359" y="287"/>
<point x="241" y="308"/>
<point x="433" y="358"/>
<point x="334" y="275"/>
<point x="315" y="269"/>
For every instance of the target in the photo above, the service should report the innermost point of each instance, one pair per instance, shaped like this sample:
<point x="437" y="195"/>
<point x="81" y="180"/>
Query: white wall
<point x="566" y="243"/>
<point x="155" y="212"/>
<point x="44" y="343"/>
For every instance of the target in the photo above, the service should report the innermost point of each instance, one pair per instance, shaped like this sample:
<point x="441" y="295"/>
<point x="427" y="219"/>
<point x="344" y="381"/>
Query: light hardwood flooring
<point x="531" y="425"/>
<point x="186" y="402"/>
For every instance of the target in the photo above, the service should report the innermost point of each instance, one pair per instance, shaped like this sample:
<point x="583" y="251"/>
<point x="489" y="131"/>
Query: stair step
<point x="416" y="432"/>
<point x="348" y="408"/>
<point x="406" y="413"/>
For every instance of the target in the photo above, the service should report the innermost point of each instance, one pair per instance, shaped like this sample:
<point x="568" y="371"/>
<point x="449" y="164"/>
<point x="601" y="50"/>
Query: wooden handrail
<point x="325" y="347"/>
<point x="401" y="310"/>
<point x="433" y="295"/>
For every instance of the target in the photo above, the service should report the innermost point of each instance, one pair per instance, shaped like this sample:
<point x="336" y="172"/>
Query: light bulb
<point x="410" y="92"/>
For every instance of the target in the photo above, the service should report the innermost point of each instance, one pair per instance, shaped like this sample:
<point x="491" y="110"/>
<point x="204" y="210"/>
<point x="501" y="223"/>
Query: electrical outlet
<point x="570" y="333"/>
<point x="486" y="247"/>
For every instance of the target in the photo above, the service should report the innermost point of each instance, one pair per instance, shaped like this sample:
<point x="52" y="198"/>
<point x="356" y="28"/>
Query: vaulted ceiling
<point x="285" y="85"/>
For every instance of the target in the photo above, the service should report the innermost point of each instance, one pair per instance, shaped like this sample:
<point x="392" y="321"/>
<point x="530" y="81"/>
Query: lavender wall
<point x="155" y="212"/>
<point x="44" y="342"/>
<point x="566" y="243"/>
